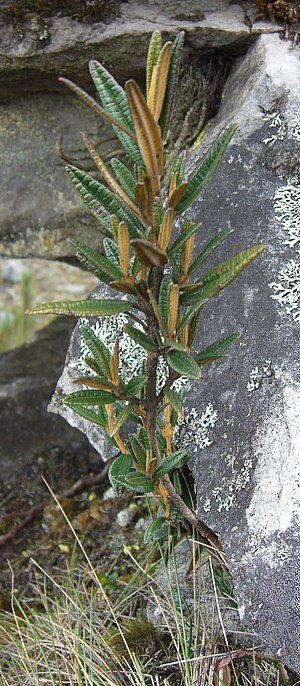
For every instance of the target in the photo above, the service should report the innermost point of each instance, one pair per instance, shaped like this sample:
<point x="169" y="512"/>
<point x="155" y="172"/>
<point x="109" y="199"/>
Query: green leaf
<point x="99" y="198"/>
<point x="118" y="469"/>
<point x="188" y="230"/>
<point x="120" y="419"/>
<point x="135" y="385"/>
<point x="158" y="215"/>
<point x="168" y="104"/>
<point x="125" y="178"/>
<point x="175" y="400"/>
<point x="144" y="438"/>
<point x="193" y="327"/>
<point x="97" y="261"/>
<point x="207" y="168"/>
<point x="130" y="148"/>
<point x="219" y="277"/>
<point x="139" y="451"/>
<point x="111" y="251"/>
<point x="157" y="530"/>
<point x="139" y="482"/>
<point x="141" y="338"/>
<point x="112" y="95"/>
<point x="173" y="461"/>
<point x="163" y="299"/>
<point x="208" y="248"/>
<point x="89" y="397"/>
<point x="183" y="363"/>
<point x="83" y="308"/>
<point x="152" y="56"/>
<point x="99" y="418"/>
<point x="97" y="348"/>
<point x="216" y="350"/>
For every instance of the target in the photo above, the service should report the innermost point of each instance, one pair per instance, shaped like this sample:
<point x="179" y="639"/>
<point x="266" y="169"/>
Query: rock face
<point x="241" y="423"/>
<point x="39" y="208"/>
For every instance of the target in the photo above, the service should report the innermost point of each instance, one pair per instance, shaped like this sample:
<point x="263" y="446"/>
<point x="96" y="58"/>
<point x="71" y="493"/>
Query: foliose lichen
<point x="287" y="289"/>
<point x="193" y="428"/>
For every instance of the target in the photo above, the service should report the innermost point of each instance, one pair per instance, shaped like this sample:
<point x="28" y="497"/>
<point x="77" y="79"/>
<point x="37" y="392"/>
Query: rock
<point x="28" y="376"/>
<point x="12" y="271"/>
<point x="40" y="210"/>
<point x="241" y="423"/>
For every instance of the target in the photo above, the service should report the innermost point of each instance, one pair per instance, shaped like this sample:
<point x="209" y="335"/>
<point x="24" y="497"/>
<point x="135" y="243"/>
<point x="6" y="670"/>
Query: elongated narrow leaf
<point x="208" y="248"/>
<point x="148" y="135"/>
<point x="219" y="277"/>
<point x="105" y="265"/>
<point x="99" y="382"/>
<point x="124" y="126"/>
<point x="163" y="298"/>
<point x="112" y="95"/>
<point x="216" y="349"/>
<point x="152" y="56"/>
<point x="141" y="338"/>
<point x="144" y="438"/>
<point x="134" y="386"/>
<point x="100" y="417"/>
<point x="130" y="147"/>
<point x="120" y="419"/>
<point x="139" y="452"/>
<point x="124" y="177"/>
<point x="111" y="181"/>
<point x="148" y="253"/>
<point x="90" y="397"/>
<point x="175" y="400"/>
<point x="139" y="482"/>
<point x="99" y="198"/>
<point x="173" y="461"/>
<point x="188" y="230"/>
<point x="83" y="308"/>
<point x="97" y="348"/>
<point x="167" y="108"/>
<point x="157" y="530"/>
<point x="183" y="363"/>
<point x="206" y="169"/>
<point x="89" y="259"/>
<point x="112" y="252"/>
<point x="157" y="91"/>
<point x="118" y="469"/>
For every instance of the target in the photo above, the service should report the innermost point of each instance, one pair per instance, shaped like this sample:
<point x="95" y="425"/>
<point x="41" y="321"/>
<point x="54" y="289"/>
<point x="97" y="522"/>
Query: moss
<point x="18" y="11"/>
<point x="286" y="11"/>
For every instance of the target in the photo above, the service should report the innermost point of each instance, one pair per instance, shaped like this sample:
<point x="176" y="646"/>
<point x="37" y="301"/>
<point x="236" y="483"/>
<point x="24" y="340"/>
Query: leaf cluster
<point x="161" y="284"/>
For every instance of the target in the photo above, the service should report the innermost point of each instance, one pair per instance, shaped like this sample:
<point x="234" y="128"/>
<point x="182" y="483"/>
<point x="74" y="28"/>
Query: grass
<point x="74" y="630"/>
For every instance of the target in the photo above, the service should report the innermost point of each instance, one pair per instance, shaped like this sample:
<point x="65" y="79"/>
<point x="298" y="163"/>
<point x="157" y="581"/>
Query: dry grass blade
<point x="148" y="135"/>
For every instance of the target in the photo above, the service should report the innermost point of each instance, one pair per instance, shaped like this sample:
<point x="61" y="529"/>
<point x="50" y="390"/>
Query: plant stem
<point x="204" y="530"/>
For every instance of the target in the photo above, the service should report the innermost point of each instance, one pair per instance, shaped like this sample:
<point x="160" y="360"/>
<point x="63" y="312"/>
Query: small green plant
<point x="156" y="274"/>
<point x="15" y="327"/>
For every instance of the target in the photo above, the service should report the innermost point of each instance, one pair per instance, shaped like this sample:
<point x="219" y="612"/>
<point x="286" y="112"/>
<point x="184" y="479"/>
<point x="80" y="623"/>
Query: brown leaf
<point x="148" y="254"/>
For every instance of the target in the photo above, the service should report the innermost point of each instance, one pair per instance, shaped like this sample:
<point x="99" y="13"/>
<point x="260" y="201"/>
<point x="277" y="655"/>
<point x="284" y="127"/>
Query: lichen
<point x="226" y="493"/>
<point x="287" y="211"/>
<point x="276" y="121"/>
<point x="287" y="291"/>
<point x="257" y="376"/>
<point x="132" y="356"/>
<point x="193" y="429"/>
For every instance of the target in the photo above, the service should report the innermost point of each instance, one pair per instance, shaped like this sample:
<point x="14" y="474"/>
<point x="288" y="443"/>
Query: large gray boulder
<point x="39" y="209"/>
<point x="241" y="423"/>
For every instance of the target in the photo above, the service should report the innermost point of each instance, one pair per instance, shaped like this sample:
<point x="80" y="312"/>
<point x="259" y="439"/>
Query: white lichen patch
<point x="258" y="375"/>
<point x="276" y="121"/>
<point x="230" y="486"/>
<point x="287" y="211"/>
<point x="287" y="288"/>
<point x="275" y="504"/>
<point x="132" y="356"/>
<point x="193" y="429"/>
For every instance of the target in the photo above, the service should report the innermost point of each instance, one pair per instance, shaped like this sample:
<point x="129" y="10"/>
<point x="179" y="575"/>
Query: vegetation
<point x="15" y="327"/>
<point x="149" y="261"/>
<point x="81" y="10"/>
